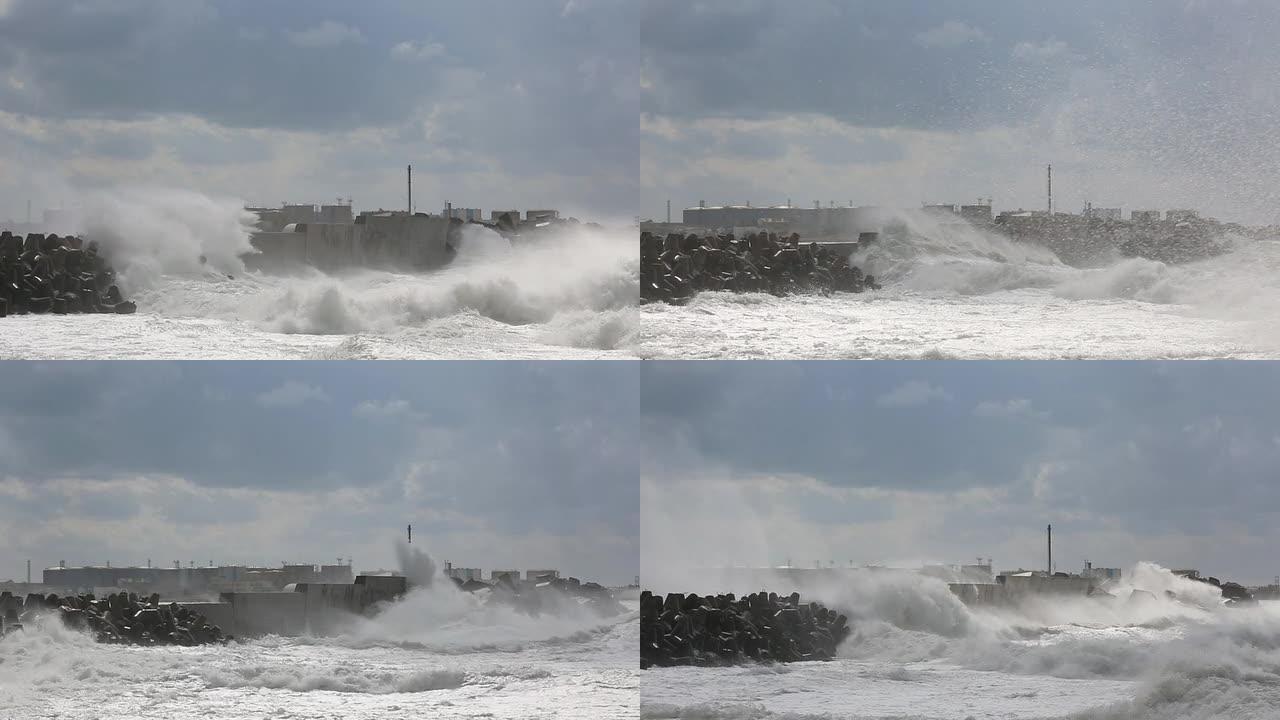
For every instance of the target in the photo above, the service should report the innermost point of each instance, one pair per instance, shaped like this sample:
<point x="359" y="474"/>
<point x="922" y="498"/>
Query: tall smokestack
<point x="410" y="534"/>
<point x="1050" y="190"/>
<point x="1050" y="549"/>
<point x="410" y="173"/>
<point x="668" y="212"/>
<point x="28" y="572"/>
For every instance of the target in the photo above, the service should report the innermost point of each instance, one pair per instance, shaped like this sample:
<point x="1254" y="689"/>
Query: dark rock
<point x="44" y="274"/>
<point x="719" y="630"/>
<point x="117" y="618"/>
<point x="675" y="268"/>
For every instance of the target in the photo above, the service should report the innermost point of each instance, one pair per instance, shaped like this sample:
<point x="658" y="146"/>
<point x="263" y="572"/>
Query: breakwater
<point x="375" y="240"/>
<point x="120" y="618"/>
<point x="676" y="267"/>
<point x="681" y="629"/>
<point x="61" y="275"/>
<point x="550" y="597"/>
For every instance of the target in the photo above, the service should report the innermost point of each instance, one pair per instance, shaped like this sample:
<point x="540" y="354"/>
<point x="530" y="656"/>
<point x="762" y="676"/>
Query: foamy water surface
<point x="917" y="652"/>
<point x="503" y="672"/>
<point x="964" y="294"/>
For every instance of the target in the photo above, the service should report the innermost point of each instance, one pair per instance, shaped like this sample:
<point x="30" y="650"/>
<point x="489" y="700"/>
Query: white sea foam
<point x="960" y="293"/>
<point x="179" y="256"/>
<point x="48" y="671"/>
<point x="917" y="652"/>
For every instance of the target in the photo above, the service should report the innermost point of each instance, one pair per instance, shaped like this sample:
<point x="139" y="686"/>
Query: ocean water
<point x="916" y="652"/>
<point x="569" y="296"/>
<point x="966" y="294"/>
<point x="413" y="663"/>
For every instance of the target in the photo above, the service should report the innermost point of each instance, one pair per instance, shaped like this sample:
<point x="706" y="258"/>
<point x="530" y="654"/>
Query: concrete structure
<point x="811" y="223"/>
<point x="1181" y="215"/>
<point x="499" y="575"/>
<point x="1096" y="213"/>
<point x="311" y="609"/>
<point x="540" y="215"/>
<point x="1145" y="216"/>
<point x="1101" y="574"/>
<point x="465" y="574"/>
<point x="464" y="214"/>
<point x="977" y="214"/>
<point x="336" y="214"/>
<point x="377" y="239"/>
<point x="541" y="575"/>
<point x="178" y="582"/>
<point x="1025" y="584"/>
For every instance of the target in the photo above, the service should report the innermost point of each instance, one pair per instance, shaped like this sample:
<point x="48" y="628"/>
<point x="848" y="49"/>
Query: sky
<point x="1136" y="104"/>
<point x="905" y="463"/>
<point x="506" y="465"/>
<point x="497" y="103"/>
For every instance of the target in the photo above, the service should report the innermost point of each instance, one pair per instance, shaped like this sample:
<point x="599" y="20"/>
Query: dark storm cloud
<point x="916" y="64"/>
<point x="994" y="449"/>
<point x="1145" y="104"/>
<point x="510" y="449"/>
<point x="537" y="90"/>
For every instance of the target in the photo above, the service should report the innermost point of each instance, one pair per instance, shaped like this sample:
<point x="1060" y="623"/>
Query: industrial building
<point x="813" y="222"/>
<point x="464" y="214"/>
<point x="185" y="581"/>
<point x="465" y="574"/>
<point x="1095" y="213"/>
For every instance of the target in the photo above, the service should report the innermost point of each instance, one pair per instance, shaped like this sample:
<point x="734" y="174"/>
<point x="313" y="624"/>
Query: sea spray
<point x="436" y="613"/>
<point x="150" y="233"/>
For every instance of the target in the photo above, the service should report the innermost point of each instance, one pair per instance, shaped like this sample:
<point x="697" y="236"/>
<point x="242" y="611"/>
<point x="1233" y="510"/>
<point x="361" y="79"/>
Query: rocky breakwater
<point x="549" y="597"/>
<point x="676" y="267"/>
<point x="723" y="629"/>
<point x="120" y="618"/>
<point x="61" y="275"/>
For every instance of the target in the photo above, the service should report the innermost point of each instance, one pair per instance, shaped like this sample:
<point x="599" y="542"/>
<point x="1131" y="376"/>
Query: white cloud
<point x="949" y="34"/>
<point x="397" y="409"/>
<point x="914" y="393"/>
<point x="426" y="50"/>
<point x="1039" y="51"/>
<point x="327" y="34"/>
<point x="1016" y="407"/>
<point x="291" y="394"/>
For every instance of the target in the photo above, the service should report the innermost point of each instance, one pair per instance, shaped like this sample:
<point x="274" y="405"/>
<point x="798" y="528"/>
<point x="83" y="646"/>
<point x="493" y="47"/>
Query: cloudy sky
<point x="903" y="463"/>
<point x="510" y="103"/>
<point x="1136" y="103"/>
<point x="495" y="464"/>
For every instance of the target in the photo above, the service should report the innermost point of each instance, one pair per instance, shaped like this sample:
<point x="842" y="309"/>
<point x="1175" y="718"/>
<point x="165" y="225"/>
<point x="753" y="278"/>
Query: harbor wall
<point x="310" y="609"/>
<point x="1015" y="588"/>
<point x="408" y="242"/>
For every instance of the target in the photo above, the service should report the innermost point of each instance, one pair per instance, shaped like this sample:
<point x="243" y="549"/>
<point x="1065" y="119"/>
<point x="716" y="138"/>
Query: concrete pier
<point x="378" y="240"/>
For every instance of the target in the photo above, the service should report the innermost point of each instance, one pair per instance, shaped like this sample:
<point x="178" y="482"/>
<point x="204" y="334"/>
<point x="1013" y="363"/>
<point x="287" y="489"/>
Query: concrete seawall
<point x="1016" y="588"/>
<point x="399" y="241"/>
<point x="311" y="609"/>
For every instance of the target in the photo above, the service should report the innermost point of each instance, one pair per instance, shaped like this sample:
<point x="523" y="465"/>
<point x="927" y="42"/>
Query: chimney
<point x="1050" y="549"/>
